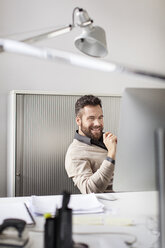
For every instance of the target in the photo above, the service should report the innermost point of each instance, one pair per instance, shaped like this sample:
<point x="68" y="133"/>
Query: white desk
<point x="110" y="229"/>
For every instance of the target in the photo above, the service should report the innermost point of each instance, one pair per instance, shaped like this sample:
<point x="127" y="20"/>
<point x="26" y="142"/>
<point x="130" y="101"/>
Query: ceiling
<point x="134" y="29"/>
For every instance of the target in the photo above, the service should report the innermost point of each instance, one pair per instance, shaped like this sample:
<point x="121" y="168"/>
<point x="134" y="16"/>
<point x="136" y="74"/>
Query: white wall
<point x="135" y="36"/>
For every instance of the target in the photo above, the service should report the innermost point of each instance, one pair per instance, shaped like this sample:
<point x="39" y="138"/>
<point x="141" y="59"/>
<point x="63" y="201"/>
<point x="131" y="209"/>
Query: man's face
<point x="90" y="122"/>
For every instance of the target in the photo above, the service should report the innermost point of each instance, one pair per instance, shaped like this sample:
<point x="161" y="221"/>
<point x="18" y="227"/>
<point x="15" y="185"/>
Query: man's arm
<point x="95" y="182"/>
<point x="79" y="169"/>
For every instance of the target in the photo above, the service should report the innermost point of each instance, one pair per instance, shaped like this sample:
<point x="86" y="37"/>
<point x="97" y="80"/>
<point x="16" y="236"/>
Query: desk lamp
<point x="91" y="42"/>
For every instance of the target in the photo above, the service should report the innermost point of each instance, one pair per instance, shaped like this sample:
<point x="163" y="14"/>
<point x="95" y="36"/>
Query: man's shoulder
<point x="76" y="144"/>
<point x="79" y="146"/>
<point x="76" y="149"/>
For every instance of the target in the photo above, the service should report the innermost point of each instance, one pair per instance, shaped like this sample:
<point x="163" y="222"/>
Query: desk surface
<point x="132" y="217"/>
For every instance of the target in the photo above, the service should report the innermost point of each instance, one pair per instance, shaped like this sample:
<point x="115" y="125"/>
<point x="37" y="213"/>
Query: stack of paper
<point x="85" y="204"/>
<point x="79" y="203"/>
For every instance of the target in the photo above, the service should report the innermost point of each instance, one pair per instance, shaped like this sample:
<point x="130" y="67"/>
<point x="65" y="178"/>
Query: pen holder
<point x="58" y="230"/>
<point x="49" y="238"/>
<point x="63" y="229"/>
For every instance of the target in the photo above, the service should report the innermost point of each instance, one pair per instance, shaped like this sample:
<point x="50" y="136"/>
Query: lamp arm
<point x="65" y="29"/>
<point x="50" y="34"/>
<point x="72" y="59"/>
<point x="129" y="70"/>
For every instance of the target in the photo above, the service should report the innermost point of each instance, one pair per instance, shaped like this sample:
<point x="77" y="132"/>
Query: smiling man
<point x="90" y="158"/>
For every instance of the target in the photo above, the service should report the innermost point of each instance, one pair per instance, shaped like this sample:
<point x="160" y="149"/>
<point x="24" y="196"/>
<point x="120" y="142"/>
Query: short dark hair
<point x="86" y="100"/>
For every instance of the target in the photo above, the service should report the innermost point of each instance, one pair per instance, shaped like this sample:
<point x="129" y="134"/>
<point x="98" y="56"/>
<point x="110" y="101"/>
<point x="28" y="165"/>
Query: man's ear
<point x="78" y="120"/>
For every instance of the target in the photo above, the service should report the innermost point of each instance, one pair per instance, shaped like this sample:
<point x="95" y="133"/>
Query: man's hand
<point x="110" y="141"/>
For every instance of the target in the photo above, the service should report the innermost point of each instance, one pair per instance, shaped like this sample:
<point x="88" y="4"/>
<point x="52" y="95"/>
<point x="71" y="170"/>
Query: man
<point x="90" y="158"/>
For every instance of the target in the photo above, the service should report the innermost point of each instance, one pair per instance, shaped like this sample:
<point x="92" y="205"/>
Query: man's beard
<point x="88" y="132"/>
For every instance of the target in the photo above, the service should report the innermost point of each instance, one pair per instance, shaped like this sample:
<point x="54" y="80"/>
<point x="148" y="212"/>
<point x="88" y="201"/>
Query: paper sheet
<point x="16" y="210"/>
<point x="107" y="220"/>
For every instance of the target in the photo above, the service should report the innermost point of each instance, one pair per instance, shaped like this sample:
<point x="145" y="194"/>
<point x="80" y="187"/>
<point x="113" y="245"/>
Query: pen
<point x="66" y="198"/>
<point x="31" y="216"/>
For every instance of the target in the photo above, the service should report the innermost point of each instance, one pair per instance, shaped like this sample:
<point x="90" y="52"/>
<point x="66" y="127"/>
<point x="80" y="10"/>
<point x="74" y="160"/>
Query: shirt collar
<point x="89" y="141"/>
<point x="82" y="138"/>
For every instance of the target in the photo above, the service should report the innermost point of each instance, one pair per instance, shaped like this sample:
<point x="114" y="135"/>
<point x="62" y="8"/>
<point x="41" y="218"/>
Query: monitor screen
<point x="142" y="112"/>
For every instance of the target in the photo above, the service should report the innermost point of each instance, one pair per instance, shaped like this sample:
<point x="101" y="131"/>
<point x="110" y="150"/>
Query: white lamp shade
<point x="92" y="42"/>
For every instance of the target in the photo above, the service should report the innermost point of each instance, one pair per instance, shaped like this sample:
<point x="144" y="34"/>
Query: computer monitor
<point x="160" y="157"/>
<point x="142" y="112"/>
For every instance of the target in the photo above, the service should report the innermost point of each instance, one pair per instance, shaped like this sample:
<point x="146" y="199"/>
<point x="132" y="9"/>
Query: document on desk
<point x="16" y="210"/>
<point x="80" y="204"/>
